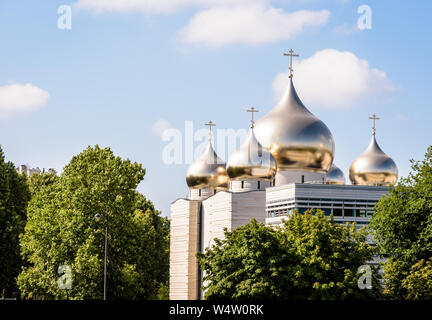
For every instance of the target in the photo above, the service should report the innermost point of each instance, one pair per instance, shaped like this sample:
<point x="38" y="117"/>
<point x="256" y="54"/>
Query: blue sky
<point x="116" y="73"/>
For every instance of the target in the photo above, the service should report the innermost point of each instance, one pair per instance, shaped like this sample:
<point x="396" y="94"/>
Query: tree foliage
<point x="309" y="257"/>
<point x="37" y="181"/>
<point x="402" y="227"/>
<point x="14" y="196"/>
<point x="62" y="230"/>
<point x="419" y="280"/>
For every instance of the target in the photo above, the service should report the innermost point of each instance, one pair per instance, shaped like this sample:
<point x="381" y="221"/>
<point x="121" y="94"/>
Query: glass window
<point x="361" y="213"/>
<point x="337" y="212"/>
<point x="349" y="213"/>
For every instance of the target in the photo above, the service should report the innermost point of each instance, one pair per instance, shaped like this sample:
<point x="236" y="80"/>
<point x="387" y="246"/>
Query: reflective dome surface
<point x="207" y="172"/>
<point x="251" y="161"/>
<point x="295" y="137"/>
<point x="373" y="167"/>
<point x="335" y="176"/>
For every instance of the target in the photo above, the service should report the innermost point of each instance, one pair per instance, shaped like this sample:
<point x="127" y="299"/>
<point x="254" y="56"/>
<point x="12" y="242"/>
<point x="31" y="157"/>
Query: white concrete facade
<point x="230" y="210"/>
<point x="249" y="185"/>
<point x="298" y="176"/>
<point x="184" y="244"/>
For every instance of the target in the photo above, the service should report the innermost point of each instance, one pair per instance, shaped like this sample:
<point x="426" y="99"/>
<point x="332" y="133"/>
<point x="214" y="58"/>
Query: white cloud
<point x="15" y="98"/>
<point x="346" y="29"/>
<point x="221" y="22"/>
<point x="160" y="126"/>
<point x="153" y="6"/>
<point x="334" y="79"/>
<point x="253" y="24"/>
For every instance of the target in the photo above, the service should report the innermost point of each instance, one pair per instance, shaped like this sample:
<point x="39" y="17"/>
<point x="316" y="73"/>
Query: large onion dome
<point x="208" y="172"/>
<point x="295" y="137"/>
<point x="373" y="167"/>
<point x="251" y="161"/>
<point x="335" y="175"/>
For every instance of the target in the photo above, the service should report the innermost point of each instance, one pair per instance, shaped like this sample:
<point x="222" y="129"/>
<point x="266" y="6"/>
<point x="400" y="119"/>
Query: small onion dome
<point x="295" y="137"/>
<point x="373" y="167"/>
<point x="251" y="161"/>
<point x="207" y="172"/>
<point x="335" y="176"/>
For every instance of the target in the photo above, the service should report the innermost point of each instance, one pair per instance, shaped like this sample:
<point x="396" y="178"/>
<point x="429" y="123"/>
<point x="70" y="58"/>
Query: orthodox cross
<point x="252" y="110"/>
<point x="291" y="54"/>
<point x="210" y="124"/>
<point x="373" y="118"/>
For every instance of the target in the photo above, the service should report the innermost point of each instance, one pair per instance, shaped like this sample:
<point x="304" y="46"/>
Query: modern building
<point x="25" y="169"/>
<point x="286" y="163"/>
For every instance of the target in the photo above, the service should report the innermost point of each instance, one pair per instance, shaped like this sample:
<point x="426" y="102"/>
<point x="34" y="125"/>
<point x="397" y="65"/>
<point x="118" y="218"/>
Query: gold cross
<point x="252" y="110"/>
<point x="291" y="55"/>
<point x="210" y="124"/>
<point x="374" y="117"/>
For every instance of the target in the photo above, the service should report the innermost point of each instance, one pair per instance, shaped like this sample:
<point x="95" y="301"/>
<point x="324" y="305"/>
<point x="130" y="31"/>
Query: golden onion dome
<point x="335" y="176"/>
<point x="295" y="137"/>
<point x="373" y="167"/>
<point x="251" y="161"/>
<point x="207" y="172"/>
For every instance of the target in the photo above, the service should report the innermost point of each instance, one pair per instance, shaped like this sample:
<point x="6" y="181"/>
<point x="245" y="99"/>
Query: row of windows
<point x="322" y="205"/>
<point x="361" y="213"/>
<point x="325" y="200"/>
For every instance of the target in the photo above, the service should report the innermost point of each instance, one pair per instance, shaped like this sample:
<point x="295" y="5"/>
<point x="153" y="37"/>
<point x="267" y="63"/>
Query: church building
<point x="285" y="164"/>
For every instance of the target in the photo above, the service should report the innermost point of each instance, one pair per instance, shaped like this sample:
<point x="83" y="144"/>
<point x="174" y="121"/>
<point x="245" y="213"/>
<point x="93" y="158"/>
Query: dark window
<point x="327" y="212"/>
<point x="337" y="212"/>
<point x="349" y="213"/>
<point x="361" y="213"/>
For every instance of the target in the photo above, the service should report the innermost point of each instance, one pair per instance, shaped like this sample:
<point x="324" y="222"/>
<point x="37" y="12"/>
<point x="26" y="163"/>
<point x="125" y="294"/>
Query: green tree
<point x="62" y="230"/>
<point x="419" y="280"/>
<point x="14" y="196"/>
<point x="402" y="228"/>
<point x="38" y="181"/>
<point x="309" y="257"/>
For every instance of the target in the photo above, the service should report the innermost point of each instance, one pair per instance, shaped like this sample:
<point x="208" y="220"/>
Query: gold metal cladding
<point x="251" y="161"/>
<point x="335" y="176"/>
<point x="373" y="167"/>
<point x="295" y="137"/>
<point x="207" y="172"/>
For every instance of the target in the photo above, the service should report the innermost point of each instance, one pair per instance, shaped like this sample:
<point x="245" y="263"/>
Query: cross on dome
<point x="291" y="54"/>
<point x="210" y="124"/>
<point x="374" y="118"/>
<point x="252" y="110"/>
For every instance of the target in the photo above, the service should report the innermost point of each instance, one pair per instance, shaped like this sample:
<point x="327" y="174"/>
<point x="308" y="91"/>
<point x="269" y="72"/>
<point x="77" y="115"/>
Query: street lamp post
<point x="98" y="216"/>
